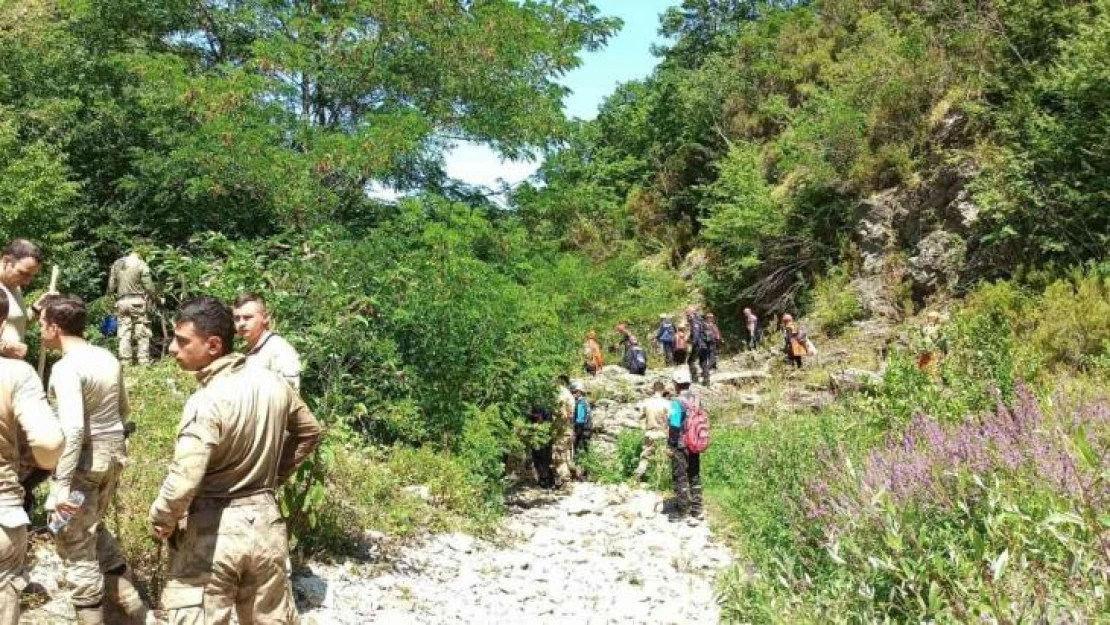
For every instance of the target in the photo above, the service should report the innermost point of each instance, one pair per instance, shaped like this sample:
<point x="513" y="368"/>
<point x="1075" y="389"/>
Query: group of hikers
<point x="693" y="342"/>
<point x="243" y="433"/>
<point x="673" y="417"/>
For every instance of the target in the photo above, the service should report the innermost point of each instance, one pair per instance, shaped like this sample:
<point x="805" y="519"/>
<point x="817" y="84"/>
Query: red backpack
<point x="695" y="425"/>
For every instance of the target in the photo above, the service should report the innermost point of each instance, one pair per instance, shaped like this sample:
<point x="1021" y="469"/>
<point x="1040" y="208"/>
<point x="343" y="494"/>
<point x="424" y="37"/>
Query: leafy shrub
<point x="1073" y="319"/>
<point x="835" y="302"/>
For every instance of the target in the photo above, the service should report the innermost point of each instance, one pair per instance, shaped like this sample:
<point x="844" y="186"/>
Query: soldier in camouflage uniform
<point x="563" y="430"/>
<point x="243" y="433"/>
<point x="26" y="424"/>
<point x="130" y="282"/>
<point x="87" y="389"/>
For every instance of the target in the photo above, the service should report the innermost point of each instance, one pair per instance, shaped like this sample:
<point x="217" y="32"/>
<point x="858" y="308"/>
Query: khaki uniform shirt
<point x="15" y="329"/>
<point x="277" y="355"/>
<point x="656" y="412"/>
<point x="25" y="421"/>
<point x="244" y="432"/>
<point x="87" y="388"/>
<point x="130" y="275"/>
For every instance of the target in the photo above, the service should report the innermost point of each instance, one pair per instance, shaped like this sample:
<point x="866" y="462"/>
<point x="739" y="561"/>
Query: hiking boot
<point x="676" y="514"/>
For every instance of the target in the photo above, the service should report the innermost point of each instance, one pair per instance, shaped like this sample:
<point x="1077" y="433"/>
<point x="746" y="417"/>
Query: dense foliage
<point x="768" y="122"/>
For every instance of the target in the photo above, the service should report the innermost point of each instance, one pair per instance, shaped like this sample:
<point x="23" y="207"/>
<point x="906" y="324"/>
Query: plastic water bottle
<point x="62" y="519"/>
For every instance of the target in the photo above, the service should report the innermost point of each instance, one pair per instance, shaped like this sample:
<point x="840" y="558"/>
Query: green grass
<point x="364" y="484"/>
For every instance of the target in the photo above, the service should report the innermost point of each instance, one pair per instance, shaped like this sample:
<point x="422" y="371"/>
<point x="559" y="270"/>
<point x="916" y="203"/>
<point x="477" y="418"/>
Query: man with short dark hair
<point x="263" y="347"/>
<point x="20" y="263"/>
<point x="243" y="433"/>
<point x="28" y="432"/>
<point x="86" y="386"/>
<point x="130" y="283"/>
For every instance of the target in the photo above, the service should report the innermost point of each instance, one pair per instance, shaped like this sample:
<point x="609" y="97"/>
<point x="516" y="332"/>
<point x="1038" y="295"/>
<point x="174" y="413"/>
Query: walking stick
<point x="42" y="349"/>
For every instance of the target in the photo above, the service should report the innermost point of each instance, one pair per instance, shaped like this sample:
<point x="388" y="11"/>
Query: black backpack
<point x="699" y="337"/>
<point x="639" y="360"/>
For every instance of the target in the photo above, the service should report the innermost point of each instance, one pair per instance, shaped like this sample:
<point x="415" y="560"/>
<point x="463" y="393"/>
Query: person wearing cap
<point x="665" y="336"/>
<point x="655" y="413"/>
<point x="591" y="354"/>
<point x="685" y="466"/>
<point x="794" y="341"/>
<point x="583" y="422"/>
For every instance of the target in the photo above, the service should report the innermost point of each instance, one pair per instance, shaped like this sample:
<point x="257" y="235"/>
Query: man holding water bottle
<point x="26" y="422"/>
<point x="86" y="387"/>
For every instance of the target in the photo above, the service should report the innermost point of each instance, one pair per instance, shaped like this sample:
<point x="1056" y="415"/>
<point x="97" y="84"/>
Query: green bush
<point x="835" y="302"/>
<point x="1073" y="320"/>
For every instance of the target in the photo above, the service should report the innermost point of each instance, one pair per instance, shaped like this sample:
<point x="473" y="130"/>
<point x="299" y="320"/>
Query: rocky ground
<point x="586" y="554"/>
<point x="591" y="554"/>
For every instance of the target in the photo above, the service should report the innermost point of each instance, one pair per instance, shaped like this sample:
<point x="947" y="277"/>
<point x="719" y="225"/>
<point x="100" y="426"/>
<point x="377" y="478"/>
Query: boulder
<point x="854" y="380"/>
<point x="938" y="261"/>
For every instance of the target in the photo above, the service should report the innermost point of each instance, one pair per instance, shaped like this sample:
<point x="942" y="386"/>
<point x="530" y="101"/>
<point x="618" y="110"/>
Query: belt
<point x="233" y="501"/>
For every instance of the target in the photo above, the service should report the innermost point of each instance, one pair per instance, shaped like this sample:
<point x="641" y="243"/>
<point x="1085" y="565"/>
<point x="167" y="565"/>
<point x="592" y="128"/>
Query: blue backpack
<point x="666" y="333"/>
<point x="109" y="326"/>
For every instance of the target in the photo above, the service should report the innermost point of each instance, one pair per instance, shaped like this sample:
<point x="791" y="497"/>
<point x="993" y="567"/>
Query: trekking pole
<point x="42" y="349"/>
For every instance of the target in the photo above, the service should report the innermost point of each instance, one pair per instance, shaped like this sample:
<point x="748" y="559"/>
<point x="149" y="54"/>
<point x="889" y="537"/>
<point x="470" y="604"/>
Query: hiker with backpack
<point x="795" y="343"/>
<point x="665" y="336"/>
<point x="634" y="358"/>
<point x="591" y="354"/>
<point x="681" y="342"/>
<point x="687" y="439"/>
<point x="583" y="427"/>
<point x="714" y="338"/>
<point x="699" y="345"/>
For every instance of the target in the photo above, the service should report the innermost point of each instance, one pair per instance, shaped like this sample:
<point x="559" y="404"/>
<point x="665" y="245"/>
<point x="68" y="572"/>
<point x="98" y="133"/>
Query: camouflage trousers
<point x="229" y="555"/>
<point x="13" y="549"/>
<point x="134" y="324"/>
<point x="651" y="443"/>
<point x="563" y="452"/>
<point x="85" y="546"/>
